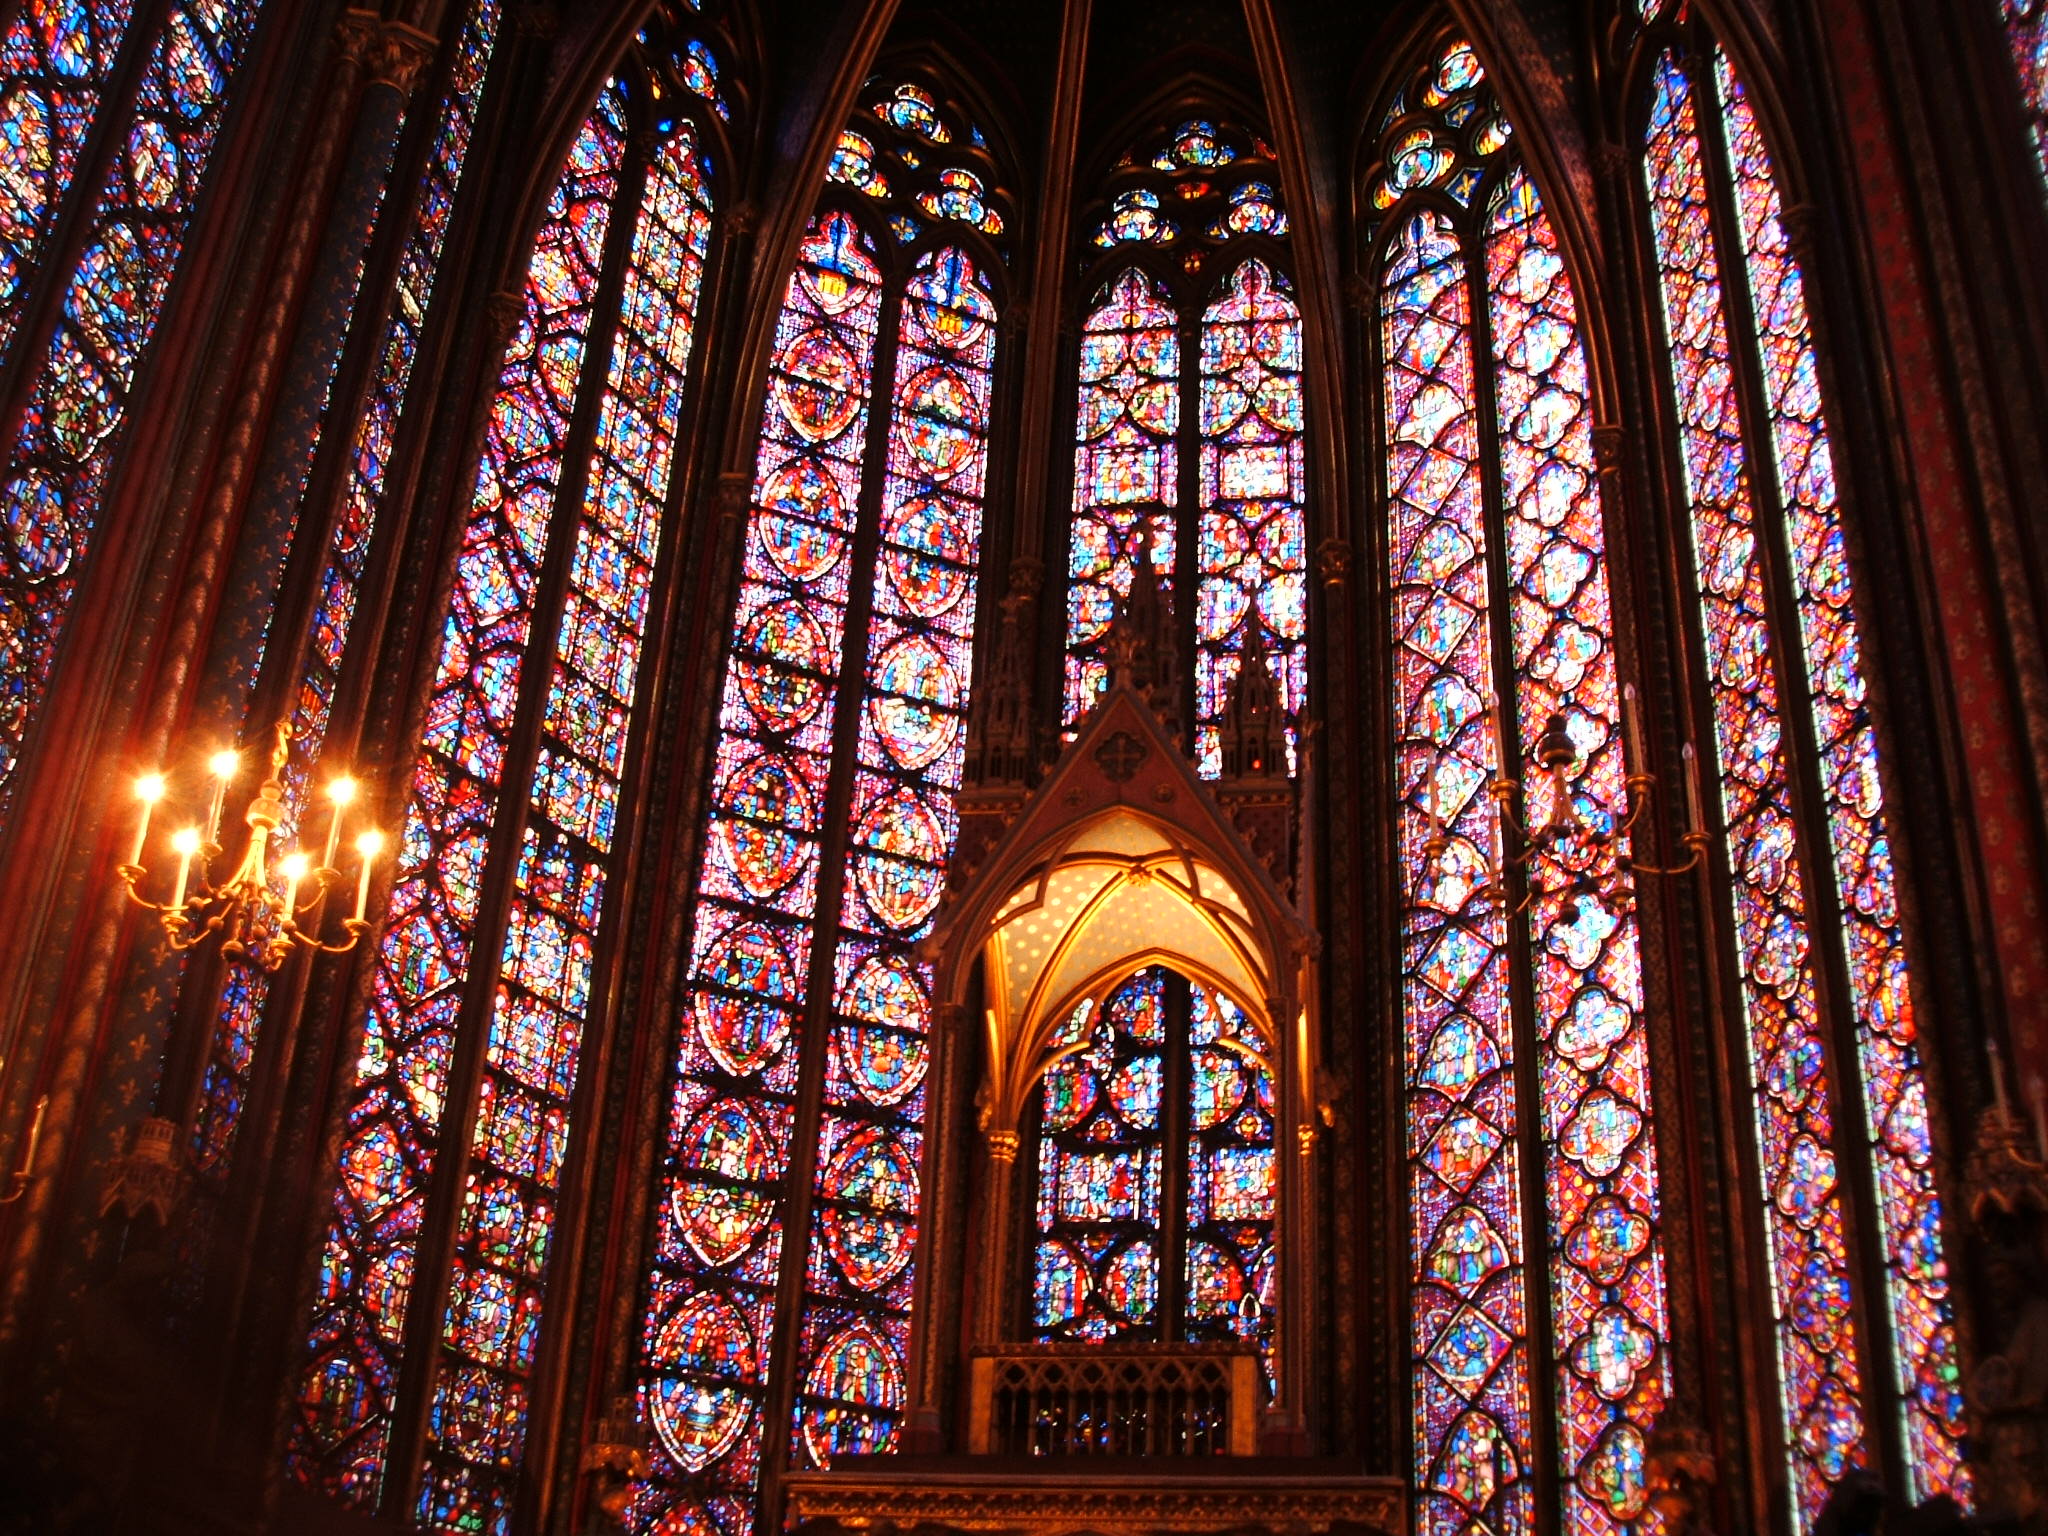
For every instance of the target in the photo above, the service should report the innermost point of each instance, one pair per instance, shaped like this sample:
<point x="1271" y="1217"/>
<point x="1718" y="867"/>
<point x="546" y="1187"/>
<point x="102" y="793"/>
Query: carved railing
<point x="1114" y="1400"/>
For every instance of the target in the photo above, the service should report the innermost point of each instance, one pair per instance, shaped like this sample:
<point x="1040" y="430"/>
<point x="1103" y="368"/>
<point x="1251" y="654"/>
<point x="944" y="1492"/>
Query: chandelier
<point x="1566" y="841"/>
<point x="257" y="911"/>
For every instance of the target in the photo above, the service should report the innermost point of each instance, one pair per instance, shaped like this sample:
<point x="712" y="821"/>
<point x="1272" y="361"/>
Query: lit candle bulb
<point x="1695" y="802"/>
<point x="341" y="792"/>
<point x="1632" y="723"/>
<point x="185" y="841"/>
<point x="367" y="845"/>
<point x="148" y="789"/>
<point x="224" y="764"/>
<point x="1500" y="742"/>
<point x="294" y="868"/>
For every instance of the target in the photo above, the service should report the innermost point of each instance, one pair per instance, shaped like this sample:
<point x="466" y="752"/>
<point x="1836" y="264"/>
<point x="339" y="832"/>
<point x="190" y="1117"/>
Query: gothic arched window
<point x="429" y="1309"/>
<point x="1503" y="639"/>
<point x="137" y="110"/>
<point x="1155" y="1189"/>
<point x="796" y="1126"/>
<point x="1827" y="1003"/>
<point x="1190" y="396"/>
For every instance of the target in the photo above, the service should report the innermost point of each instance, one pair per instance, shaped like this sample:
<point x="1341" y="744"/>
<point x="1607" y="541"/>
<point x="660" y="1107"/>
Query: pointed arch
<point x="460" y="1121"/>
<point x="1503" y="635"/>
<point x="1190" y="421"/>
<point x="847" y="678"/>
<point x="1824" y="975"/>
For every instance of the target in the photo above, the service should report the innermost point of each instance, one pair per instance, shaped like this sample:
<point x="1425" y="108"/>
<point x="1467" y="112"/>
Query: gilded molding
<point x="1052" y="1505"/>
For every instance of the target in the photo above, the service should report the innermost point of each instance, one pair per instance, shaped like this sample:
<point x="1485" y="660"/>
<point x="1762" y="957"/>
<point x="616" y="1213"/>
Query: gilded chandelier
<point x="1564" y="840"/>
<point x="256" y="911"/>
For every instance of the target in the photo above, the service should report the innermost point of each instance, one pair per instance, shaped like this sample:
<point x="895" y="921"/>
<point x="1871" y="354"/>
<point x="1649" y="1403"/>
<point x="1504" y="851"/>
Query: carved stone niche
<point x="2007" y="1188"/>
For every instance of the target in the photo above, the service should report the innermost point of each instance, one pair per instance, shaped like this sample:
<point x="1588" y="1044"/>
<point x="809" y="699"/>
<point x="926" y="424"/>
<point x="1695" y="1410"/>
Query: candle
<point x="341" y="792"/>
<point x="1493" y="730"/>
<point x="294" y="867"/>
<point x="1632" y="723"/>
<point x="223" y="764"/>
<point x="1998" y="1081"/>
<point x="186" y="842"/>
<point x="1694" y="802"/>
<point x="35" y="1137"/>
<point x="148" y="789"/>
<point x="366" y="845"/>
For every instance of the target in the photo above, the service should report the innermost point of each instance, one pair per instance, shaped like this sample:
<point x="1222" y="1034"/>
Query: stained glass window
<point x="1753" y="484"/>
<point x="1220" y="329"/>
<point x="55" y="63"/>
<point x="1101" y="1170"/>
<point x="1487" y="399"/>
<point x="802" y="966"/>
<point x="136" y="221"/>
<point x="224" y="1089"/>
<point x="574" y="479"/>
<point x="1251" y="558"/>
<point x="1160" y="1113"/>
<point x="1126" y="469"/>
<point x="2026" y="30"/>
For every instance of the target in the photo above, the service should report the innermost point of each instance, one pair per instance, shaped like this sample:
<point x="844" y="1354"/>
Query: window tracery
<point x="483" y="983"/>
<point x="1502" y="621"/>
<point x="795" y="1131"/>
<point x="1785" y="668"/>
<point x="1156" y="1144"/>
<point x="1210" y="323"/>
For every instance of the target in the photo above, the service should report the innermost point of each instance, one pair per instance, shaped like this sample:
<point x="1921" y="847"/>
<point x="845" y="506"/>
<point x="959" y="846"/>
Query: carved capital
<point x="741" y="220"/>
<point x="1679" y="1472"/>
<point x="151" y="1177"/>
<point x="502" y="312"/>
<point x="2005" y="1174"/>
<point x="390" y="53"/>
<point x="1333" y="562"/>
<point x="399" y="56"/>
<point x="1608" y="441"/>
<point x="1801" y="220"/>
<point x="1027" y="576"/>
<point x="735" y="491"/>
<point x="354" y="34"/>
<point x="1361" y="295"/>
<point x="1003" y="1146"/>
<point x="537" y="19"/>
<point x="1615" y="161"/>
